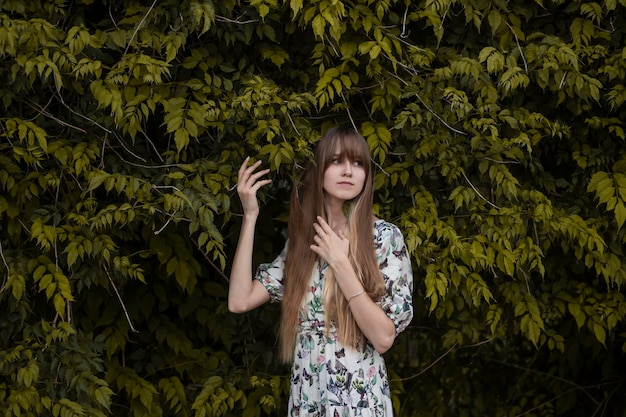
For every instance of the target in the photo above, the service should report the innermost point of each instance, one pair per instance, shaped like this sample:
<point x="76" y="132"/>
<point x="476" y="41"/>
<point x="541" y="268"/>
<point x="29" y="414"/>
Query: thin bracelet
<point x="355" y="295"/>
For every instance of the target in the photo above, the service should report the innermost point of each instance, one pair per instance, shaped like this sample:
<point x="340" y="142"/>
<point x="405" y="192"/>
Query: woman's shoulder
<point x="383" y="227"/>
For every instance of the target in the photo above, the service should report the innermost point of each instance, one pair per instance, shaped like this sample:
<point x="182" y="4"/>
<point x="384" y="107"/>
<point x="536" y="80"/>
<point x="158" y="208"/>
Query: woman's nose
<point x="347" y="167"/>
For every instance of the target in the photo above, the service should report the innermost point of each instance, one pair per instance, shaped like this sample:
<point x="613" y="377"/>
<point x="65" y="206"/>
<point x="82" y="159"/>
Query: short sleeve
<point x="395" y="265"/>
<point x="271" y="276"/>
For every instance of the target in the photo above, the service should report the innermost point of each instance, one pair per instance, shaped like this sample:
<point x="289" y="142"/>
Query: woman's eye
<point x="358" y="163"/>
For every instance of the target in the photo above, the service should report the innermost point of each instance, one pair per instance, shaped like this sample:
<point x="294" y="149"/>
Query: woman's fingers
<point x="318" y="229"/>
<point x="328" y="244"/>
<point x="243" y="167"/>
<point x="248" y="183"/>
<point x="245" y="171"/>
<point x="323" y="224"/>
<point x="254" y="177"/>
<point x="247" y="175"/>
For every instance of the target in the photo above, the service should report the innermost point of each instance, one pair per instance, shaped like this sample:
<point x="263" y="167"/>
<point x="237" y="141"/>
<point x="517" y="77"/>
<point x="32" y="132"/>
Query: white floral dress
<point x="329" y="379"/>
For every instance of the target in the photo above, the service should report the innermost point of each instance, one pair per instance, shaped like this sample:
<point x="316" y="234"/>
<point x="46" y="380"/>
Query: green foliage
<point x="497" y="135"/>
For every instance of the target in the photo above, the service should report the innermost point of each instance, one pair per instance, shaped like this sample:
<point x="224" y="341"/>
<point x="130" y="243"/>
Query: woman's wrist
<point x="340" y="264"/>
<point x="355" y="295"/>
<point x="346" y="278"/>
<point x="250" y="215"/>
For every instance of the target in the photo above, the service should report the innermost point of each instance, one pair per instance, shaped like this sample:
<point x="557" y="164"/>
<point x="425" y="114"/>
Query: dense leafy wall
<point x="497" y="131"/>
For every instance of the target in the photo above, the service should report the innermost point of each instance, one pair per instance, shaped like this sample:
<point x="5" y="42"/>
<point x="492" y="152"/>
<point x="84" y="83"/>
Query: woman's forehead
<point x="347" y="149"/>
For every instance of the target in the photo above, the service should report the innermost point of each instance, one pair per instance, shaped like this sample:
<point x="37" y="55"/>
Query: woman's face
<point x="344" y="178"/>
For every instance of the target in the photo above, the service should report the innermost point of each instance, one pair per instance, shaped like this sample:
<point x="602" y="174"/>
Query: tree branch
<point x="433" y="363"/>
<point x="138" y="26"/>
<point x="119" y="298"/>
<point x="478" y="192"/>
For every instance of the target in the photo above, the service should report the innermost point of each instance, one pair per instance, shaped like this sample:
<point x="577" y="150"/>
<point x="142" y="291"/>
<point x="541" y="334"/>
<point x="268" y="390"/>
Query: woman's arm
<point x="371" y="319"/>
<point x="244" y="293"/>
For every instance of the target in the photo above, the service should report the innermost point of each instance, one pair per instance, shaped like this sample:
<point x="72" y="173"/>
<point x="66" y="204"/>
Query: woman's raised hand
<point x="248" y="183"/>
<point x="246" y="293"/>
<point x="329" y="245"/>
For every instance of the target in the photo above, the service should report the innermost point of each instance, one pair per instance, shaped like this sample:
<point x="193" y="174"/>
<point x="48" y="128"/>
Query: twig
<point x="379" y="167"/>
<point x="43" y="111"/>
<point x="355" y="128"/>
<point x="349" y="113"/>
<point x="520" y="48"/>
<point x="104" y="143"/>
<point x="543" y="404"/>
<point x="404" y="32"/>
<point x="422" y="101"/>
<point x="139" y="25"/>
<point x="581" y="388"/>
<point x="409" y="44"/>
<point x="483" y="342"/>
<point x="443" y="356"/>
<point x="293" y="124"/>
<point x="68" y="306"/>
<point x="499" y="161"/>
<point x="444" y="17"/>
<point x="165" y="187"/>
<point x="407" y="67"/>
<point x="156" y="151"/>
<point x="119" y="139"/>
<point x="439" y="117"/>
<point x="237" y="22"/>
<point x="141" y="165"/>
<point x="478" y="192"/>
<point x="219" y="271"/>
<point x="428" y="107"/>
<point x="330" y="42"/>
<point x="428" y="367"/>
<point x="81" y="115"/>
<point x="604" y="404"/>
<point x="563" y="80"/>
<point x="163" y="227"/>
<point x="111" y="16"/>
<point x="3" y="258"/>
<point x="130" y="323"/>
<point x="6" y="278"/>
<point x="526" y="279"/>
<point x="56" y="253"/>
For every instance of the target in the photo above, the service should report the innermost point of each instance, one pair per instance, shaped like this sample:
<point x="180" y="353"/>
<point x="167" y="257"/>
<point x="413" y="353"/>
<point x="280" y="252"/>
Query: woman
<point x="344" y="279"/>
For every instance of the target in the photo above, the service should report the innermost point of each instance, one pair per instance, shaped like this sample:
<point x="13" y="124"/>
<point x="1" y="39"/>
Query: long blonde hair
<point x="307" y="202"/>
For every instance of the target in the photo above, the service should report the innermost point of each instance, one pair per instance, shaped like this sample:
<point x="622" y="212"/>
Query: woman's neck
<point x="335" y="217"/>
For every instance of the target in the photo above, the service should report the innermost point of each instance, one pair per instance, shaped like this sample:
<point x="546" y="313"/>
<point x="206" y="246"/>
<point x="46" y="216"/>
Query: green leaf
<point x="578" y="314"/>
<point x="181" y="137"/>
<point x="620" y="213"/>
<point x="599" y="332"/>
